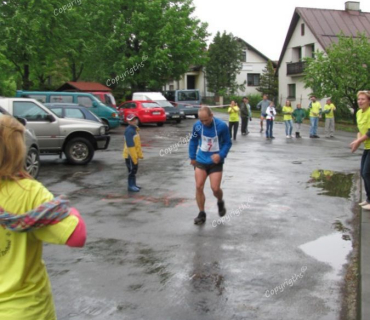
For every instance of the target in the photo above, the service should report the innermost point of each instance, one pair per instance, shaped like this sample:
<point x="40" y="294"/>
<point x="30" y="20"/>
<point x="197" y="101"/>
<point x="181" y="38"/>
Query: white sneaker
<point x="363" y="203"/>
<point x="366" y="206"/>
<point x="288" y="136"/>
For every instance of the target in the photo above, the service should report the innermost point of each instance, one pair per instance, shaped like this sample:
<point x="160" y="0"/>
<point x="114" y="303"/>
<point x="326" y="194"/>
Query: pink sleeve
<point x="78" y="237"/>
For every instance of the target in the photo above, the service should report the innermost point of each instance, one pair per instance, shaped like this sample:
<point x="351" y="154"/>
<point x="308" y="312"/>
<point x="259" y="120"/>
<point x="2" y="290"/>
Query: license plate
<point x="189" y="107"/>
<point x="175" y="116"/>
<point x="156" y="113"/>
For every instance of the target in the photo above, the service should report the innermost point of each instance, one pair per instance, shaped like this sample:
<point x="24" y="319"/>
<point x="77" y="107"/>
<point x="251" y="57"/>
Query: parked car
<point x="172" y="113"/>
<point x="71" y="110"/>
<point x="106" y="97"/>
<point x="188" y="101"/>
<point x="146" y="112"/>
<point x="33" y="155"/>
<point x="108" y="114"/>
<point x="77" y="139"/>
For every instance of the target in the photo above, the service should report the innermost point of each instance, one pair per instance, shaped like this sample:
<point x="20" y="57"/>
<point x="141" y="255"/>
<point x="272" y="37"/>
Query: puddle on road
<point x="167" y="200"/>
<point x="333" y="184"/>
<point x="331" y="249"/>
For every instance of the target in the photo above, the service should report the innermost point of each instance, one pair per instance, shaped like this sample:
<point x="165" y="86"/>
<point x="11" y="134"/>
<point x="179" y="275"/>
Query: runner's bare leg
<point x="200" y="180"/>
<point x="215" y="179"/>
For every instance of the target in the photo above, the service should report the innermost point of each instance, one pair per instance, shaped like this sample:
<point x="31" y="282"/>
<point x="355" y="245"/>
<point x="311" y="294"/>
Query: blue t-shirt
<point x="217" y="128"/>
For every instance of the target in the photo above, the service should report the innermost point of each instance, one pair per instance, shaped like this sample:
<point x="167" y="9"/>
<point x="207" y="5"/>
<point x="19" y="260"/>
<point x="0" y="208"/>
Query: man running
<point x="212" y="137"/>
<point x="263" y="105"/>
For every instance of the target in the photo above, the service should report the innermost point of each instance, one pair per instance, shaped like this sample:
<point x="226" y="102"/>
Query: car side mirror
<point x="49" y="118"/>
<point x="95" y="104"/>
<point x="22" y="121"/>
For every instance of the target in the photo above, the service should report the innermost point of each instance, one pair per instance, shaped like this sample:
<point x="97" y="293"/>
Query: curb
<point x="365" y="265"/>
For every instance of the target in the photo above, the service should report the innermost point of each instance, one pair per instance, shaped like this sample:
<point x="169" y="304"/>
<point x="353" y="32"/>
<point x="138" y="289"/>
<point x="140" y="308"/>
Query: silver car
<point x="76" y="138"/>
<point x="33" y="154"/>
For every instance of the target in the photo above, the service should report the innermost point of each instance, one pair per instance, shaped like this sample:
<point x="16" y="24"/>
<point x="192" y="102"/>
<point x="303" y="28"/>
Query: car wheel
<point x="160" y="124"/>
<point x="79" y="151"/>
<point x="33" y="162"/>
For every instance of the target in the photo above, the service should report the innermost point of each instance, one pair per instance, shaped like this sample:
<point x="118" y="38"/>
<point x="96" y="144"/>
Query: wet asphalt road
<point x="275" y="256"/>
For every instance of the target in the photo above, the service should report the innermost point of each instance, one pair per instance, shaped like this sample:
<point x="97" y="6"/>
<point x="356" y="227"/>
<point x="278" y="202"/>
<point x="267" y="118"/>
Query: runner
<point x="212" y="137"/>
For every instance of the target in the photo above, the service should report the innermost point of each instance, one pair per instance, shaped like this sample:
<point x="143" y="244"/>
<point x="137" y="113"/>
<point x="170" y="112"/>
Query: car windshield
<point x="164" y="103"/>
<point x="150" y="105"/>
<point x="188" y="96"/>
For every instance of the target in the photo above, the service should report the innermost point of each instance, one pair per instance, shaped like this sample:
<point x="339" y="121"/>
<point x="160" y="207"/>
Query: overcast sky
<point x="261" y="23"/>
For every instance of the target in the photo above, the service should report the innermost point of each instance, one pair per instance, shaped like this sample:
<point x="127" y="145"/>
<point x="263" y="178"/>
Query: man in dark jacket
<point x="245" y="115"/>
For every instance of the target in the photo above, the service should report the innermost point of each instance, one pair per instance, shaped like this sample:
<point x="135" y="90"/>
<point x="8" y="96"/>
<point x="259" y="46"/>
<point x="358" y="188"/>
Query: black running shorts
<point x="210" y="168"/>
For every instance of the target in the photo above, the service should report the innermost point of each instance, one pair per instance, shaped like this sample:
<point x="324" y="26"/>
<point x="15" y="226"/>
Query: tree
<point x="341" y="72"/>
<point x="155" y="41"/>
<point x="27" y="30"/>
<point x="224" y="64"/>
<point x="269" y="81"/>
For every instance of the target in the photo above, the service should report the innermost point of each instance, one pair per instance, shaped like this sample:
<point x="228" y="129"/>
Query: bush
<point x="254" y="99"/>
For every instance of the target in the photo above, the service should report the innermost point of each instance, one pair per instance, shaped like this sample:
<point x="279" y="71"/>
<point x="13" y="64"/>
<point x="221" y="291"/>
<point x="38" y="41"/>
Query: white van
<point x="172" y="113"/>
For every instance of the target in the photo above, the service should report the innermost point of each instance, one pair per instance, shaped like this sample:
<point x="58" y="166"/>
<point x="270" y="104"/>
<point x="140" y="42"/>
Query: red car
<point x="146" y="111"/>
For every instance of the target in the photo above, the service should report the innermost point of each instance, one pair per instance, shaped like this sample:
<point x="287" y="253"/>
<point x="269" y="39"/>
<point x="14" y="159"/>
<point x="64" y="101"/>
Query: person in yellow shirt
<point x="29" y="216"/>
<point x="315" y="113"/>
<point x="287" y="111"/>
<point x="233" y="118"/>
<point x="363" y="136"/>
<point x="329" y="109"/>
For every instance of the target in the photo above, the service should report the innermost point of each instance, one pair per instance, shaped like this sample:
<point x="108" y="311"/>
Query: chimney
<point x="352" y="6"/>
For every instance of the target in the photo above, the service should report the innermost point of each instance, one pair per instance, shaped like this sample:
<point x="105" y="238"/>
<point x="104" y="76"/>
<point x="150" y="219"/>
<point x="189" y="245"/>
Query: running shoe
<point x="221" y="208"/>
<point x="201" y="218"/>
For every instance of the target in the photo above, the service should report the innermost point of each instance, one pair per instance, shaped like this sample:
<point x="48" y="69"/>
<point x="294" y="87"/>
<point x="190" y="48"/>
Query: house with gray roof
<point x="314" y="30"/>
<point x="253" y="64"/>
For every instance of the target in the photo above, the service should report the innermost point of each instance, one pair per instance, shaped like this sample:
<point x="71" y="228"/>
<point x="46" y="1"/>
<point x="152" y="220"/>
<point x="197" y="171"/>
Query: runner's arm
<point x="226" y="142"/>
<point x="194" y="141"/>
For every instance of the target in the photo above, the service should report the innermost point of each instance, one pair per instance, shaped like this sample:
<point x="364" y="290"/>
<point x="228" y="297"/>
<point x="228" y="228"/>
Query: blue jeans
<point x="288" y="127"/>
<point x="314" y="122"/>
<point x="269" y="125"/>
<point x="365" y="172"/>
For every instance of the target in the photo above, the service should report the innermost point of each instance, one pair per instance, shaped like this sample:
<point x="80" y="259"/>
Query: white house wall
<point x="302" y="94"/>
<point x="255" y="64"/>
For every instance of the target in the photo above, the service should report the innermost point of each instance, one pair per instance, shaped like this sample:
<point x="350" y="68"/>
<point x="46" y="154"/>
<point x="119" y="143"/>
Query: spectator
<point x="245" y="114"/>
<point x="298" y="114"/>
<point x="263" y="105"/>
<point x="315" y="113"/>
<point x="234" y="118"/>
<point x="329" y="109"/>
<point x="29" y="216"/>
<point x="287" y="111"/>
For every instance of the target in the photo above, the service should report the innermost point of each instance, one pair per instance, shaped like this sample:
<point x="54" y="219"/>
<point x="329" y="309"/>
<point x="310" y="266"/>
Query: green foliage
<point x="96" y="40"/>
<point x="269" y="81"/>
<point x="254" y="98"/>
<point x="341" y="72"/>
<point x="224" y="64"/>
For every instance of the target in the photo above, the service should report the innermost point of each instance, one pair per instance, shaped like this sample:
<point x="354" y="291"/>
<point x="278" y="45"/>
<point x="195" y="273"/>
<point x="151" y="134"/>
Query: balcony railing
<point x="295" y="68"/>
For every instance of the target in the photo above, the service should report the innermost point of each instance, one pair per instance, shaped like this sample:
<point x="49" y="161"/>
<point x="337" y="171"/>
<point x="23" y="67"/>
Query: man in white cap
<point x="132" y="151"/>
